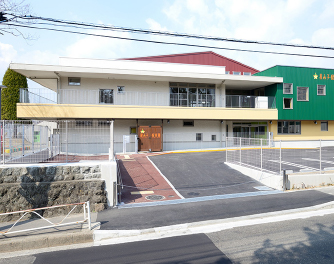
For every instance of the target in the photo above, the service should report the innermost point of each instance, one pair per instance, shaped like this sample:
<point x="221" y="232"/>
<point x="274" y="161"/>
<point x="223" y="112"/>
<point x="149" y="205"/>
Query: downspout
<point x="58" y="86"/>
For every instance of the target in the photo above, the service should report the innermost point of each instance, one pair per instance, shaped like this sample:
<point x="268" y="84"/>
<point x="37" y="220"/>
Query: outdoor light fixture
<point x="270" y="122"/>
<point x="222" y="122"/>
<point x="168" y="121"/>
<point x="315" y="122"/>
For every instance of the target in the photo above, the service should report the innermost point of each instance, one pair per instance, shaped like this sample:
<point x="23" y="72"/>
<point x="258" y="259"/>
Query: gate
<point x="150" y="138"/>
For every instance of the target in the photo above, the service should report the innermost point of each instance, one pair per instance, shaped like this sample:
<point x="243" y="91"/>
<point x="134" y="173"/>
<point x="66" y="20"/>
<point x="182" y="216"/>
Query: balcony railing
<point x="80" y="96"/>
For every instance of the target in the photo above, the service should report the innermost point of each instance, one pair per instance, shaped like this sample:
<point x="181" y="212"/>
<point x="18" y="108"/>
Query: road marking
<point x="170" y="184"/>
<point x="142" y="192"/>
<point x="322" y="161"/>
<point x="294" y="165"/>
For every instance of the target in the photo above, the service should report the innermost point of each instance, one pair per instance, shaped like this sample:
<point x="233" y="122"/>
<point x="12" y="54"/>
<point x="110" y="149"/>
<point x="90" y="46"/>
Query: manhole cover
<point x="155" y="197"/>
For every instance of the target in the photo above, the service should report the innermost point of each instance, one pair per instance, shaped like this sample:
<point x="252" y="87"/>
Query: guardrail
<point x="86" y="218"/>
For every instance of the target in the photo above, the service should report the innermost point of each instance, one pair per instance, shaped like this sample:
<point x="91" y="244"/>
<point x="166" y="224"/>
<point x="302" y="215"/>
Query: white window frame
<point x="291" y="99"/>
<point x="307" y="94"/>
<point x="247" y="73"/>
<point x="236" y="73"/>
<point x="291" y="88"/>
<point x="324" y="86"/>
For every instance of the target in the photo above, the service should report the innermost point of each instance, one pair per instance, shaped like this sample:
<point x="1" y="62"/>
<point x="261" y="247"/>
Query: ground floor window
<point x="288" y="127"/>
<point x="324" y="126"/>
<point x="198" y="136"/>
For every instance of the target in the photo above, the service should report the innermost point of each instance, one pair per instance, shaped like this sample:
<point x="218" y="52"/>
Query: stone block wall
<point x="29" y="187"/>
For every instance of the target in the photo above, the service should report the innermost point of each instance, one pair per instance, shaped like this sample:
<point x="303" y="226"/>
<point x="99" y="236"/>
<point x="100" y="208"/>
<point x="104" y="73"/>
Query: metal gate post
<point x="3" y="141"/>
<point x="261" y="154"/>
<point x="22" y="139"/>
<point x="66" y="138"/>
<point x="111" y="143"/>
<point x="285" y="180"/>
<point x="240" y="152"/>
<point x="280" y="156"/>
<point x="320" y="155"/>
<point x="33" y="139"/>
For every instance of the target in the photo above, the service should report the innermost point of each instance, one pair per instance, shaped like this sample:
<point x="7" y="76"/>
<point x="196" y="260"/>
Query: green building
<point x="305" y="102"/>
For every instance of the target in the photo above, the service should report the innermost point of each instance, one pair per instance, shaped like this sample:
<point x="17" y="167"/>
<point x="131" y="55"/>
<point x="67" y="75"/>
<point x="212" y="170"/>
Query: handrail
<point x="86" y="212"/>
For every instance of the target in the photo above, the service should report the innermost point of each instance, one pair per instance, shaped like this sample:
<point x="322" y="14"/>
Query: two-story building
<point x="305" y="103"/>
<point x="171" y="102"/>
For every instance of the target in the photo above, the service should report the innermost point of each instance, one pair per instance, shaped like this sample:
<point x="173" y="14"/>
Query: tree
<point x="10" y="11"/>
<point x="10" y="96"/>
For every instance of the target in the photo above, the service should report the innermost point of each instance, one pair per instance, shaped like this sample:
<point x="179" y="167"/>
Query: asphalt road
<point x="155" y="216"/>
<point x="303" y="241"/>
<point x="306" y="241"/>
<point x="203" y="174"/>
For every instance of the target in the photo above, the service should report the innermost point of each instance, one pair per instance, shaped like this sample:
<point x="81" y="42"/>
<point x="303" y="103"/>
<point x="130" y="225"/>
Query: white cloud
<point x="323" y="37"/>
<point x="99" y="47"/>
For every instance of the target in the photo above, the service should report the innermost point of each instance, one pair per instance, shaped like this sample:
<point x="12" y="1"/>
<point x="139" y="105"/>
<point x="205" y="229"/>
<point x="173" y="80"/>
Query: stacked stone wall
<point x="30" y="187"/>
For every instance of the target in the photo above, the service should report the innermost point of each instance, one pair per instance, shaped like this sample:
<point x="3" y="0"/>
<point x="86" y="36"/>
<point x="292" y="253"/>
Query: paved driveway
<point x="203" y="174"/>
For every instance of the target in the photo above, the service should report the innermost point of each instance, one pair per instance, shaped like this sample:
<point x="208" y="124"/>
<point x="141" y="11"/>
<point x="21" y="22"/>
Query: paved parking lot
<point x="295" y="160"/>
<point x="203" y="174"/>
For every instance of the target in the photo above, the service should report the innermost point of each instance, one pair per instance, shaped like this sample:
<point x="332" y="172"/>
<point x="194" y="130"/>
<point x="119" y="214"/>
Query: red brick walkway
<point x="139" y="174"/>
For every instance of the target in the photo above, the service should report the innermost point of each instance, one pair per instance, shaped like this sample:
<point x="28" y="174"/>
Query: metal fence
<point x="275" y="156"/>
<point x="54" y="141"/>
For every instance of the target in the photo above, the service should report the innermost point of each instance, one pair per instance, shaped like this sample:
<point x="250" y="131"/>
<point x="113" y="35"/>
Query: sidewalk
<point x="47" y="237"/>
<point x="142" y="180"/>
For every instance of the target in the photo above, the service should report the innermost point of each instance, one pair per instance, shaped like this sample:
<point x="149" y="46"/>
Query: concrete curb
<point x="108" y="237"/>
<point x="44" y="241"/>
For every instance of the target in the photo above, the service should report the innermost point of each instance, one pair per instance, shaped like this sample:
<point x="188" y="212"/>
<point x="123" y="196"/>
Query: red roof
<point x="201" y="58"/>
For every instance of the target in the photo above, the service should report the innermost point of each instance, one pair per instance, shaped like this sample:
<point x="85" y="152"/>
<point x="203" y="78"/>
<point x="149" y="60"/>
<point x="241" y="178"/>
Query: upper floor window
<point x="106" y="96"/>
<point x="321" y="89"/>
<point x="192" y="94"/>
<point x="287" y="103"/>
<point x="227" y="72"/>
<point x="302" y="93"/>
<point x="74" y="81"/>
<point x="287" y="88"/>
<point x="120" y="89"/>
<point x="236" y="73"/>
<point x="247" y="73"/>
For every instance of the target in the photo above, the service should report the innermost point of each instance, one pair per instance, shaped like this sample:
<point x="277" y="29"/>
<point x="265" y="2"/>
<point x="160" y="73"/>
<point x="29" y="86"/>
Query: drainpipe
<point x="58" y="86"/>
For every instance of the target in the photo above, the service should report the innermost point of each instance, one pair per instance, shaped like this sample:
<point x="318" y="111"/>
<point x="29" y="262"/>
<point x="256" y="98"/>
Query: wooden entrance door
<point x="150" y="138"/>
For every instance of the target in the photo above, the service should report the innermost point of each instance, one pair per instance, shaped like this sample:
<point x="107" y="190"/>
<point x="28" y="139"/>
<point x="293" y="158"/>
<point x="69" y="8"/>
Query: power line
<point x="174" y="43"/>
<point x="174" y="34"/>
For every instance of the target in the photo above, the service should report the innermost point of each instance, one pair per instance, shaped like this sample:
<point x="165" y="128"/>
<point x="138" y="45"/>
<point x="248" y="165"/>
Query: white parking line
<point x="318" y="160"/>
<point x="294" y="165"/>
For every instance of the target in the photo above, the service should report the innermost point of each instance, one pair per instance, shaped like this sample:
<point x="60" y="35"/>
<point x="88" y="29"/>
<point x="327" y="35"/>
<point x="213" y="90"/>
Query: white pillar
<point x="111" y="148"/>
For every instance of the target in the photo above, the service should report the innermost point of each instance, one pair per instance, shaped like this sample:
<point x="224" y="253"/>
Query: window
<point x="324" y="126"/>
<point x="302" y="93"/>
<point x="288" y="127"/>
<point x="73" y="81"/>
<point x="213" y="137"/>
<point x="227" y="72"/>
<point x="106" y="96"/>
<point x="103" y="123"/>
<point x="120" y="89"/>
<point x="188" y="123"/>
<point x="287" y="103"/>
<point x="236" y="73"/>
<point x="84" y="123"/>
<point x="247" y="73"/>
<point x="321" y="89"/>
<point x="287" y="88"/>
<point x="198" y="136"/>
<point x="192" y="94"/>
<point x="133" y="130"/>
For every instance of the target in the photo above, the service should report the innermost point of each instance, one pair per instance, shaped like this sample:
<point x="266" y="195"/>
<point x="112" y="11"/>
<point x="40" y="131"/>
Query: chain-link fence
<point x="275" y="156"/>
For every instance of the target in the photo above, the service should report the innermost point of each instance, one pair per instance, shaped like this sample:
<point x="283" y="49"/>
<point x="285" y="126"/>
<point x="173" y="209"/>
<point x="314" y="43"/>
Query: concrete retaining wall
<point x="28" y="187"/>
<point x="310" y="180"/>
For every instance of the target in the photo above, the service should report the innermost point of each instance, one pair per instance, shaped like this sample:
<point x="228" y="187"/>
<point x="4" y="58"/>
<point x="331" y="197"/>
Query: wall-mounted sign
<point x="323" y="76"/>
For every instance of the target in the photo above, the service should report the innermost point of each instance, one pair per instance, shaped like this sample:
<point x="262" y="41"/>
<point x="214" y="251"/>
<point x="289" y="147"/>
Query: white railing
<point x="82" y="96"/>
<point x="275" y="156"/>
<point x="25" y="214"/>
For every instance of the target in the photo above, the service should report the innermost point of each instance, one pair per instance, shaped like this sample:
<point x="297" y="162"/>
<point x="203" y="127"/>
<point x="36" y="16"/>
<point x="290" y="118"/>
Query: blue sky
<point x="296" y="21"/>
